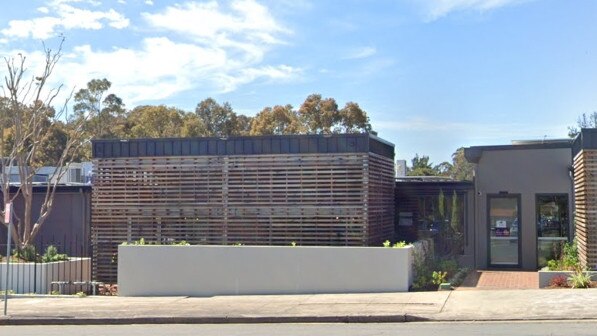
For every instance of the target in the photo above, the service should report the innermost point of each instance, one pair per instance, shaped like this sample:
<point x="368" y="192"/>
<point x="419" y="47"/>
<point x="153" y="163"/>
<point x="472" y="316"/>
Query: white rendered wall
<point x="153" y="270"/>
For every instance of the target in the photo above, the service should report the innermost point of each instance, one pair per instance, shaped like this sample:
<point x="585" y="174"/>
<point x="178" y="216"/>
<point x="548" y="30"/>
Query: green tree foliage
<point x="160" y="121"/>
<point x="353" y="119"/>
<point x="441" y="205"/>
<point x="583" y="121"/>
<point x="192" y="126"/>
<point x="461" y="169"/>
<point x="242" y="124"/>
<point x="420" y="166"/>
<point x="107" y="115"/>
<point x="109" y="112"/>
<point x="220" y="120"/>
<point x="319" y="115"/>
<point x="276" y="120"/>
<point x="53" y="143"/>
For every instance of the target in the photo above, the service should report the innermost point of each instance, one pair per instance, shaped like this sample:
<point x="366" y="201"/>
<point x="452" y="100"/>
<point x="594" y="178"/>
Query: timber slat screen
<point x="585" y="201"/>
<point x="315" y="193"/>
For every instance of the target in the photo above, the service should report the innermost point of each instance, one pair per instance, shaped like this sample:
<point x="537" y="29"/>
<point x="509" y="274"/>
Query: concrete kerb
<point x="406" y="318"/>
<point x="210" y="320"/>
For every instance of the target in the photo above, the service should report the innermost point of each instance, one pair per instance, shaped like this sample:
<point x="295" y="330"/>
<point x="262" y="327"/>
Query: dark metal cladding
<point x="586" y="139"/>
<point x="246" y="145"/>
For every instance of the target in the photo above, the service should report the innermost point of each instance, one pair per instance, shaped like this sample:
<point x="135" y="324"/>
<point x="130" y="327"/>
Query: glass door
<point x="504" y="230"/>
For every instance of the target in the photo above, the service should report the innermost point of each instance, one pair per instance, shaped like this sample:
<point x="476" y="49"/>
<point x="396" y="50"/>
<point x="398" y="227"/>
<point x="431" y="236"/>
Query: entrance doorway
<point x="504" y="230"/>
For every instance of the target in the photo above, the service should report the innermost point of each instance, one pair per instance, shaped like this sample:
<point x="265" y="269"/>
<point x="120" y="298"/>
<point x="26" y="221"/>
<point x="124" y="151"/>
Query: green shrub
<point x="553" y="265"/>
<point x="449" y="266"/>
<point x="438" y="277"/>
<point x="568" y="259"/>
<point x="570" y="255"/>
<point x="387" y="243"/>
<point x="26" y="253"/>
<point x="53" y="255"/>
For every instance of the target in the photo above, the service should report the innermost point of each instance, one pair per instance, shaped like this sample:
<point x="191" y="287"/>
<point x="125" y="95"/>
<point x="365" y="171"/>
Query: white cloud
<point x="149" y="2"/>
<point x="162" y="68"/>
<point x="208" y="22"/>
<point x="213" y="49"/>
<point x="67" y="17"/>
<point x="436" y="9"/>
<point x="362" y="52"/>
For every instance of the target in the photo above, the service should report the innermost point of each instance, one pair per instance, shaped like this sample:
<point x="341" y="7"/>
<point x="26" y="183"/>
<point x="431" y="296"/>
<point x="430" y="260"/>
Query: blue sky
<point x="433" y="75"/>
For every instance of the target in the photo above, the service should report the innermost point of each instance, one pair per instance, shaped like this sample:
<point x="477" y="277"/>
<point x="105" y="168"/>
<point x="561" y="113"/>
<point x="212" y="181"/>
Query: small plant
<point x="55" y="292"/>
<point x="580" y="278"/>
<point x="559" y="281"/>
<point x="181" y="243"/>
<point x="400" y="244"/>
<point x="293" y="243"/>
<point x="438" y="277"/>
<point x="81" y="294"/>
<point x="237" y="244"/>
<point x="53" y="255"/>
<point x="10" y="292"/>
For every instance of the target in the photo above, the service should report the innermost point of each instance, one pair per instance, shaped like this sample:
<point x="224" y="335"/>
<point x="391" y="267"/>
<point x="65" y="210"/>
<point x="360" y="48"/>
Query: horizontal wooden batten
<point x="339" y="198"/>
<point x="585" y="192"/>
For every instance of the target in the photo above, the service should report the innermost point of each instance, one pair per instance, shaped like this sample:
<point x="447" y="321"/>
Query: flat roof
<point x="473" y="153"/>
<point x="243" y="145"/>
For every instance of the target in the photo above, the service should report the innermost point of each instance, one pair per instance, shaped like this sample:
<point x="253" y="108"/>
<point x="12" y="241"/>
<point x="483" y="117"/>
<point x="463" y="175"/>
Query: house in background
<point x="69" y="223"/>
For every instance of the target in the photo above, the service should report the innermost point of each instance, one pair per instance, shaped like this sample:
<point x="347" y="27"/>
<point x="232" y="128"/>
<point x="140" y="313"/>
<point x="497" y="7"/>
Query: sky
<point x="433" y="75"/>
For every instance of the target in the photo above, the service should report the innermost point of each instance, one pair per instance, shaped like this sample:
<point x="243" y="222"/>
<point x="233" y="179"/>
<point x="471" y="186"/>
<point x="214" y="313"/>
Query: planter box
<point x="25" y="278"/>
<point x="545" y="276"/>
<point x="242" y="270"/>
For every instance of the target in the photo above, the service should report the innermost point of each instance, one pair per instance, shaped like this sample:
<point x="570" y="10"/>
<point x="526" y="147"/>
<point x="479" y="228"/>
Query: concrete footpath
<point x="472" y="305"/>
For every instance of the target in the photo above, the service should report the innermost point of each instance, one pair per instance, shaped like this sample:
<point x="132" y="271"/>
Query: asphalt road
<point x="426" y="328"/>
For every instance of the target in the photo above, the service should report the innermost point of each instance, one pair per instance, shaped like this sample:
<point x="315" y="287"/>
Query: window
<point x="552" y="226"/>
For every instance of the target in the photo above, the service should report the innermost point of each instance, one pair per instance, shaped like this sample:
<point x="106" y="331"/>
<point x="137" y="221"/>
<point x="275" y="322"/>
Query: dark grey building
<point x="523" y="202"/>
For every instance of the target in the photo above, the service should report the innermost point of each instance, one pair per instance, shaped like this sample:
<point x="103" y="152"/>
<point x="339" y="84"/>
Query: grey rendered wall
<point x="527" y="172"/>
<point x="244" y="270"/>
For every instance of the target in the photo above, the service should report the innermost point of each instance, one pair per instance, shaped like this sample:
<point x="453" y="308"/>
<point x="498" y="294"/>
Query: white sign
<point x="7" y="212"/>
<point x="501" y="224"/>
